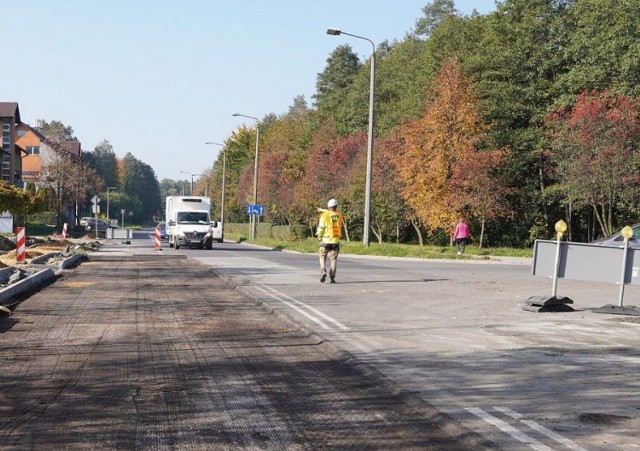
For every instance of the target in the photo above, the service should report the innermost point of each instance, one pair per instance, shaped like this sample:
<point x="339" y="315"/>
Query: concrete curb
<point x="33" y="282"/>
<point x="72" y="261"/>
<point x="43" y="258"/>
<point x="67" y="263"/>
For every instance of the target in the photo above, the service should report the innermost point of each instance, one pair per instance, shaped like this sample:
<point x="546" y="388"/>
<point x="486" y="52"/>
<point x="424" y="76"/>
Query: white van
<point x="217" y="231"/>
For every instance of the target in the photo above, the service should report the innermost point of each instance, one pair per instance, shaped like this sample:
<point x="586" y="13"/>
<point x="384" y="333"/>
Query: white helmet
<point x="332" y="203"/>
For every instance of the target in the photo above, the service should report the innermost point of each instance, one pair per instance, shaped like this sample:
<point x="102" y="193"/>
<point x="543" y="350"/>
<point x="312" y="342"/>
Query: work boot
<point x="333" y="280"/>
<point x="323" y="277"/>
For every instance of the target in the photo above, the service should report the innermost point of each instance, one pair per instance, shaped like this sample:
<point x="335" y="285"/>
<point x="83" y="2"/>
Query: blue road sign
<point x="255" y="209"/>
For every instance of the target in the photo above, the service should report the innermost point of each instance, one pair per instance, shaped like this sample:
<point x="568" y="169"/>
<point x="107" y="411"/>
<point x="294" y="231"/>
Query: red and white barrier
<point x="64" y="231"/>
<point x="21" y="248"/>
<point x="157" y="240"/>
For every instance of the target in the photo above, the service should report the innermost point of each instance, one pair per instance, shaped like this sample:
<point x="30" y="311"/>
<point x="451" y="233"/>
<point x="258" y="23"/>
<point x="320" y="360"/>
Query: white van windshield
<point x="192" y="217"/>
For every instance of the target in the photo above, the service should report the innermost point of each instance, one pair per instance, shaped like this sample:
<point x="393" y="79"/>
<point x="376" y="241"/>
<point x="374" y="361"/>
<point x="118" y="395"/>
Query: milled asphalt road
<point x="156" y="351"/>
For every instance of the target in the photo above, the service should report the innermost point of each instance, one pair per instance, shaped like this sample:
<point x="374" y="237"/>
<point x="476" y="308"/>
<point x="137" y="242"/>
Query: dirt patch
<point x="9" y="259"/>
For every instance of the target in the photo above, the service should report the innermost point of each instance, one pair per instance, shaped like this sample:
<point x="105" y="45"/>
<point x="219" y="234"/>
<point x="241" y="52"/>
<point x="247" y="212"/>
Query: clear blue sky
<point x="159" y="78"/>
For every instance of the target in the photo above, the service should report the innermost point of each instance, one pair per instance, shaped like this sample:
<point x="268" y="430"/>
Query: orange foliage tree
<point x="443" y="168"/>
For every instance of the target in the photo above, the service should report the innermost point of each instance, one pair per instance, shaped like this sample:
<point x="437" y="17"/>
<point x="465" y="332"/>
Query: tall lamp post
<point x="367" y="196"/>
<point x="109" y="188"/>
<point x="188" y="173"/>
<point x="192" y="175"/>
<point x="206" y="188"/>
<point x="224" y="168"/>
<point x="255" y="173"/>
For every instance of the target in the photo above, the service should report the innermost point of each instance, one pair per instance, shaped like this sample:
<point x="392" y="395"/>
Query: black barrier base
<point x="548" y="304"/>
<point x="617" y="310"/>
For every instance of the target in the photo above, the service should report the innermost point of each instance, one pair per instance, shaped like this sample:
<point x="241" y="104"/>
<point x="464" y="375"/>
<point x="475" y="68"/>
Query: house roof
<point x="40" y="136"/>
<point x="73" y="147"/>
<point x="10" y="109"/>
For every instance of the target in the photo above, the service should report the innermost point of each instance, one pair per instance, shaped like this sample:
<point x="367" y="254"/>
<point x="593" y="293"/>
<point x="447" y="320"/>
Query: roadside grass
<point x="310" y="245"/>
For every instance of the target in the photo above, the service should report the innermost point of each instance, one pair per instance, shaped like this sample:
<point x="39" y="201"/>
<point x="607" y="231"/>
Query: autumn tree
<point x="66" y="176"/>
<point x="595" y="148"/>
<point x="443" y="138"/>
<point x="389" y="211"/>
<point x="480" y="188"/>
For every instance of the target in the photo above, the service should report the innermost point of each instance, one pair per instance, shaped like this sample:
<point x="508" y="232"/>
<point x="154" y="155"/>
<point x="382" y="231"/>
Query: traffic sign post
<point x="95" y="200"/>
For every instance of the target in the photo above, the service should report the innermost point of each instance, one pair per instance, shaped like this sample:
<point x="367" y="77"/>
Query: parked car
<point x="617" y="240"/>
<point x="85" y="220"/>
<point x="92" y="223"/>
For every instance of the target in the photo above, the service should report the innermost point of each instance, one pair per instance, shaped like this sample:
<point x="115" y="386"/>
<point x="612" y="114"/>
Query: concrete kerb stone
<point x="66" y="263"/>
<point x="30" y="283"/>
<point x="72" y="261"/>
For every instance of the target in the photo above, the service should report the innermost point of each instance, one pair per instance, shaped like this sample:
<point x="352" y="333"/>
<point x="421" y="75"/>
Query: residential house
<point x="11" y="166"/>
<point x="33" y="143"/>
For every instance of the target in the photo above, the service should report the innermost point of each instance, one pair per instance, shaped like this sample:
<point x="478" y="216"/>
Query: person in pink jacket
<point x="461" y="236"/>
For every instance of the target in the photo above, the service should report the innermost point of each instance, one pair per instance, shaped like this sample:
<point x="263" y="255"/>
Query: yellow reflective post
<point x="561" y="227"/>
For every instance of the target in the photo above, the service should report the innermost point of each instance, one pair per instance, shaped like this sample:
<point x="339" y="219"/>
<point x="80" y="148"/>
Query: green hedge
<point x="268" y="230"/>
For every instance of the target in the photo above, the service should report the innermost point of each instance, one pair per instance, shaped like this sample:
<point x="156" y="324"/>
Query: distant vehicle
<point x="84" y="221"/>
<point x="617" y="240"/>
<point x="92" y="223"/>
<point x="189" y="222"/>
<point x="163" y="230"/>
<point x="217" y="231"/>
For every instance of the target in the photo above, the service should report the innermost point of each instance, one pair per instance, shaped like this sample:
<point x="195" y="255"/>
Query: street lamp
<point x="367" y="196"/>
<point x="224" y="168"/>
<point x="192" y="175"/>
<point x="255" y="173"/>
<point x="206" y="188"/>
<point x="108" y="189"/>
<point x="188" y="173"/>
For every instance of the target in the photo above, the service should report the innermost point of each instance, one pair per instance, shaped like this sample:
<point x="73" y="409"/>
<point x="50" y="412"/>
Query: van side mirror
<point x="171" y="222"/>
<point x="214" y="224"/>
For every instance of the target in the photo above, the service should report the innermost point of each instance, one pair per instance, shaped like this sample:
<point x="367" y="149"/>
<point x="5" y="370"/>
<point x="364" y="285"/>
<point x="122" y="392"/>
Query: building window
<point x="21" y="133"/>
<point x="6" y="171"/>
<point x="33" y="150"/>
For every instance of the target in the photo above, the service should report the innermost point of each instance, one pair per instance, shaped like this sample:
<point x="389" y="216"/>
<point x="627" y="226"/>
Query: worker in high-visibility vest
<point x="329" y="233"/>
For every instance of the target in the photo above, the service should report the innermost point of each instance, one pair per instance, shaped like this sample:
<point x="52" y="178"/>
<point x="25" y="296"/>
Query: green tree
<point x="103" y="160"/>
<point x="434" y="13"/>
<point x="603" y="49"/>
<point x="139" y="183"/>
<point x="334" y="84"/>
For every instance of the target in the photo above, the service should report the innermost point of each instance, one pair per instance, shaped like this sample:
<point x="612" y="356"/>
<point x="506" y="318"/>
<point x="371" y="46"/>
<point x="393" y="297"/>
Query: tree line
<point x="68" y="183"/>
<point x="513" y="119"/>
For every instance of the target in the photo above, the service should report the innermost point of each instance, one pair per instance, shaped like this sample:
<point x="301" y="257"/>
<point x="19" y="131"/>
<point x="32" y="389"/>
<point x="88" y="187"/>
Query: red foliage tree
<point x="595" y="147"/>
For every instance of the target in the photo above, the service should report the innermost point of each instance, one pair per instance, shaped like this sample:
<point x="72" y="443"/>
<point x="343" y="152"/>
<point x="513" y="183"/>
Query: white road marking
<point x="298" y="309"/>
<point x="543" y="430"/>
<point x="508" y="429"/>
<point x="307" y="306"/>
